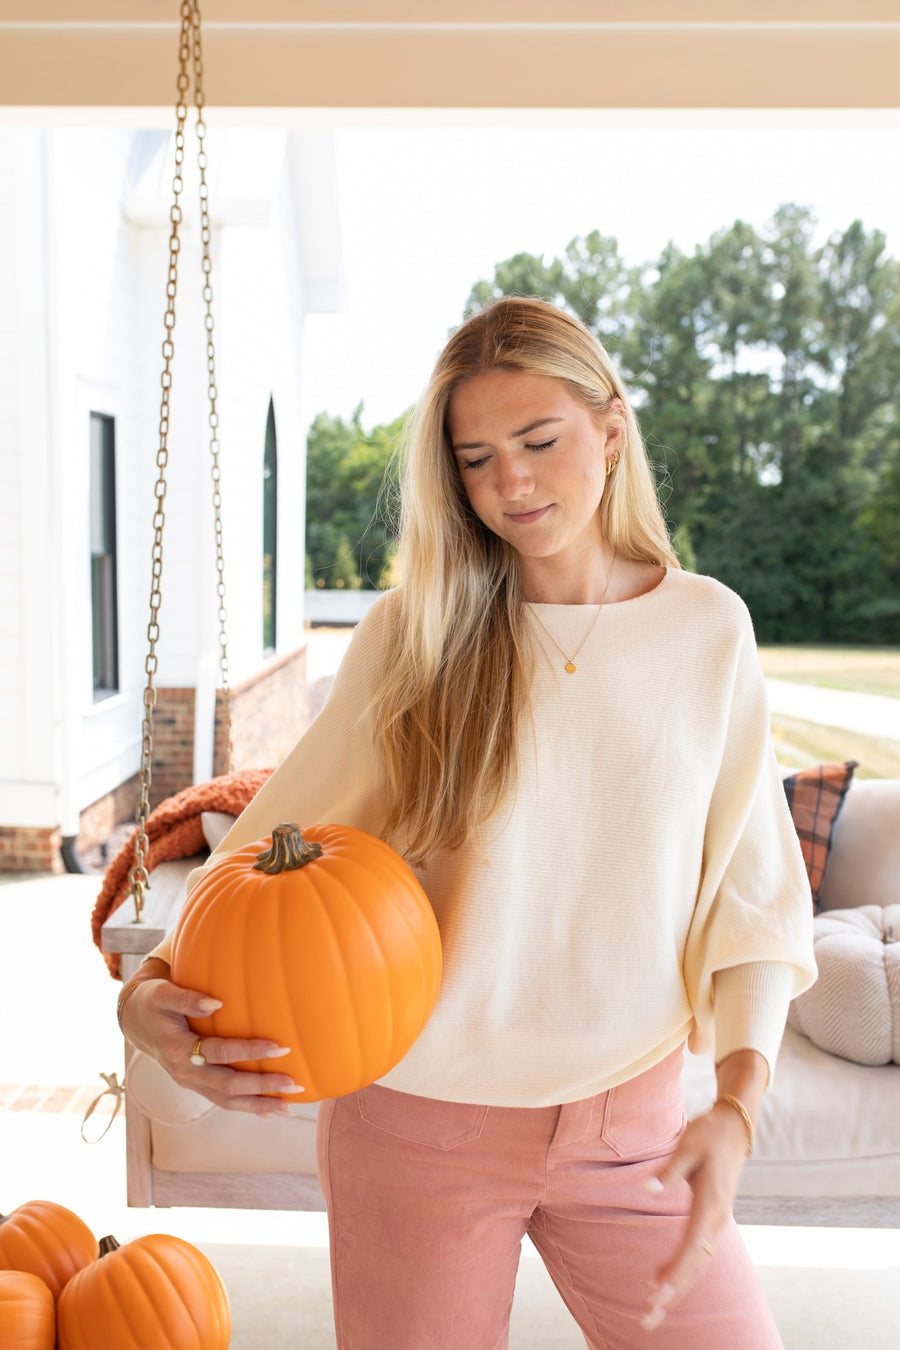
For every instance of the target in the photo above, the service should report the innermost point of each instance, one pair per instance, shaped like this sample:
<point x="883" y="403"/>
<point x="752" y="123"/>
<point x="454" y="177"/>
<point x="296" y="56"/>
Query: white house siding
<point x="83" y="254"/>
<point x="29" y="709"/>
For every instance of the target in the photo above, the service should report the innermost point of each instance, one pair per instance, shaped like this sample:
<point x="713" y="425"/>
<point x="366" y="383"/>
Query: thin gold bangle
<point x="124" y="996"/>
<point x="744" y="1114"/>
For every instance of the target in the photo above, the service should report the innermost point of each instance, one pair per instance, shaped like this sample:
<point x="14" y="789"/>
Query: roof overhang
<point x="458" y="54"/>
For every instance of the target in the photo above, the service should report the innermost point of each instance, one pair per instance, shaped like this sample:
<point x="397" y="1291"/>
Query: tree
<point x="350" y="530"/>
<point x="766" y="373"/>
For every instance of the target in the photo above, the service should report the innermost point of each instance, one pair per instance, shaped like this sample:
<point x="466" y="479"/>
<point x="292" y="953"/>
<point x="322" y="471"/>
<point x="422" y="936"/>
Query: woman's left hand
<point x="709" y="1157"/>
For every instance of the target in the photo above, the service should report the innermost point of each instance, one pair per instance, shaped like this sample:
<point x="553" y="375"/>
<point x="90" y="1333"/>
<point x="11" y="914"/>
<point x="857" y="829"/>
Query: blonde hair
<point x="448" y="708"/>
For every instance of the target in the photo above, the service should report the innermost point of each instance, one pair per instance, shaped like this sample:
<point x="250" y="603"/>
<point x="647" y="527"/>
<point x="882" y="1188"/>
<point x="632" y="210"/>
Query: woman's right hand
<point x="154" y="1016"/>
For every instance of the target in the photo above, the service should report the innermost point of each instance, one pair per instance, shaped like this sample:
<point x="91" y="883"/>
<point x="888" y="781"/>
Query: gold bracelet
<point x="744" y="1114"/>
<point x="124" y="996"/>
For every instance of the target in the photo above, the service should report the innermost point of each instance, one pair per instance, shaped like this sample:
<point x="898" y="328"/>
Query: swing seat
<point x="180" y="1149"/>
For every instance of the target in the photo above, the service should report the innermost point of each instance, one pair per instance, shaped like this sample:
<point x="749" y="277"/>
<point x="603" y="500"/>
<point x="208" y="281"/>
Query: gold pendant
<point x="571" y="667"/>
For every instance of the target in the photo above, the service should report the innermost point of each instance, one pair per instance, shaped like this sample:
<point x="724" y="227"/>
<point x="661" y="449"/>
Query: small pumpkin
<point x="27" y="1312"/>
<point x="323" y="942"/>
<point x="154" y="1293"/>
<point x="47" y="1240"/>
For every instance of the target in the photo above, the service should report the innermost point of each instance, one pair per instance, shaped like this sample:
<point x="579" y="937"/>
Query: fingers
<point x="708" y="1162"/>
<point x="227" y="1050"/>
<point x="158" y="1023"/>
<point x="678" y="1278"/>
<point x="239" y="1090"/>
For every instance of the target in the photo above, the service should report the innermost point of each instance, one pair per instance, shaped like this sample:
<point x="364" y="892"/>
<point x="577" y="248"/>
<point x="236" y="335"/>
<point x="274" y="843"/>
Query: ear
<point x="613" y="430"/>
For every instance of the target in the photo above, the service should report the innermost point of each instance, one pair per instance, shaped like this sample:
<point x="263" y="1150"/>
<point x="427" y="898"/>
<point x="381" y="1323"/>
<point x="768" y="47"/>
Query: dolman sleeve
<point x="749" y="949"/>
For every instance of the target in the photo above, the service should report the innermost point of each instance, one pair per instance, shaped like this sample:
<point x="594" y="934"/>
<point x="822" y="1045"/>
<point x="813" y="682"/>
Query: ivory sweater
<point x="644" y="887"/>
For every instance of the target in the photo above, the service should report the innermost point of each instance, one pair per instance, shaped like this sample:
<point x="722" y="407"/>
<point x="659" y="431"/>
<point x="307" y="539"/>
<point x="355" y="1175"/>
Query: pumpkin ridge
<point x="344" y="995"/>
<point x="307" y="1073"/>
<point x="164" y="1269"/>
<point x="413" y="956"/>
<point x="122" y="1288"/>
<point x="381" y="944"/>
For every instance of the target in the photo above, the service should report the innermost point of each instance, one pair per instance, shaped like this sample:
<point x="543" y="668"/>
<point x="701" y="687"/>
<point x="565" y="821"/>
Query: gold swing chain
<point x="189" y="49"/>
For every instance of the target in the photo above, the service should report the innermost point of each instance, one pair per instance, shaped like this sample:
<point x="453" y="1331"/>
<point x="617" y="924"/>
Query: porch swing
<point x="180" y="1149"/>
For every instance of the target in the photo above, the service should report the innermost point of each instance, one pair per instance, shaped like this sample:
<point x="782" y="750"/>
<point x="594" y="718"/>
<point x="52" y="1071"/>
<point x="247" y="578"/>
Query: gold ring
<point x="196" y="1056"/>
<point x="708" y="1247"/>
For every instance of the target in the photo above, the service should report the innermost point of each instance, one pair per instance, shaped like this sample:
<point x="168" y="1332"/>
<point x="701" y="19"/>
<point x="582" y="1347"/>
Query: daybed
<point x="828" y="1139"/>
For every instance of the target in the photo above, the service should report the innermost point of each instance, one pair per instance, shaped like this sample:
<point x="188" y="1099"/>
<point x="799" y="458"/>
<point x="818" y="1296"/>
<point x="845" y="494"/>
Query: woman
<point x="568" y="737"/>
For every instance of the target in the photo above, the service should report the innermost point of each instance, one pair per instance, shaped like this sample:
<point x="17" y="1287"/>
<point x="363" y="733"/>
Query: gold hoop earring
<point x="611" y="463"/>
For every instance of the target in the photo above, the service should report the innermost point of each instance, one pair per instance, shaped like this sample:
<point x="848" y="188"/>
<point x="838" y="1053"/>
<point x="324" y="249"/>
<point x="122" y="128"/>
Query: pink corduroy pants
<point x="428" y="1202"/>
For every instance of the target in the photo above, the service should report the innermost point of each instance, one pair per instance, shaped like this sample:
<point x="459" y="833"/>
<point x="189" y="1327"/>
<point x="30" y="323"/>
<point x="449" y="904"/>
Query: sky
<point x="425" y="212"/>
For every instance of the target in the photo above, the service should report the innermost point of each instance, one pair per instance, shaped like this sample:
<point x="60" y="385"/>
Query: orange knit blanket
<point x="174" y="830"/>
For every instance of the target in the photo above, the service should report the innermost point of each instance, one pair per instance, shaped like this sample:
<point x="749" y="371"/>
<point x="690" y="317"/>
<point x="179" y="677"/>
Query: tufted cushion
<point x="853" y="1009"/>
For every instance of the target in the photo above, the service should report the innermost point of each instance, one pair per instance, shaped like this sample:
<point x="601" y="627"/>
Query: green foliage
<point x="350" y="534"/>
<point x="766" y="373"/>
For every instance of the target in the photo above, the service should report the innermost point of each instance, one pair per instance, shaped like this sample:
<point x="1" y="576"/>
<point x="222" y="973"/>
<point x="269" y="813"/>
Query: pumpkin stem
<point x="289" y="850"/>
<point x="108" y="1244"/>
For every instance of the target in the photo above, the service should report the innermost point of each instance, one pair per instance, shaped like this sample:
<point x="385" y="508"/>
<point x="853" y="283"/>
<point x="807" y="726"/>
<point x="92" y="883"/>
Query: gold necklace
<point x="570" y="666"/>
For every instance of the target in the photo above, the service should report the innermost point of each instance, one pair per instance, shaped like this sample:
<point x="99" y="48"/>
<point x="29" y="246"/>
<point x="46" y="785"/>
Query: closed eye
<point x="544" y="445"/>
<point x="475" y="463"/>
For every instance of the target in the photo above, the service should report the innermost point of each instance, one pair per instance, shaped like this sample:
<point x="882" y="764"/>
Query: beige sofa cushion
<point x="853" y="1009"/>
<point x="826" y="1127"/>
<point x="864" y="863"/>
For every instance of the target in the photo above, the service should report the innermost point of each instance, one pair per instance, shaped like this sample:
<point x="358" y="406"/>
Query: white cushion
<point x="215" y="826"/>
<point x="159" y="1096"/>
<point x="853" y="1009"/>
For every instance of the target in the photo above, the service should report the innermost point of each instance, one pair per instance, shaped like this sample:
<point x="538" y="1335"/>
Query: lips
<point x="528" y="517"/>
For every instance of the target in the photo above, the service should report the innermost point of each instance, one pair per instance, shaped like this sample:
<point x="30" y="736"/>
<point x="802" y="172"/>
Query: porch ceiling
<point x="459" y="54"/>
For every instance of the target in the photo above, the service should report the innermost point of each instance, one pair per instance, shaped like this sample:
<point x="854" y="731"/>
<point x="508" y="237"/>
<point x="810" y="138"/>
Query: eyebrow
<point x="523" y="431"/>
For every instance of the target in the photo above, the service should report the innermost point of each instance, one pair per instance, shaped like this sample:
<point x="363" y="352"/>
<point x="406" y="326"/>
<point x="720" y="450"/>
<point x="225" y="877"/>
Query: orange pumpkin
<point x="156" y="1292"/>
<point x="27" y="1312"/>
<point x="326" y="944"/>
<point x="46" y="1240"/>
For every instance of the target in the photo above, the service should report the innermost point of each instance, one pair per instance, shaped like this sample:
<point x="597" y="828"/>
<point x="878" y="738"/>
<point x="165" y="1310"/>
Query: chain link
<point x="205" y="241"/>
<point x="189" y="50"/>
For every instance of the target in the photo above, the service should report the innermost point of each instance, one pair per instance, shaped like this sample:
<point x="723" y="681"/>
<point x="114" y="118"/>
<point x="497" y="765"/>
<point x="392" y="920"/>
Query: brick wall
<point x="26" y="849"/>
<point x="269" y="713"/>
<point x="98" y="820"/>
<point x="173" y="743"/>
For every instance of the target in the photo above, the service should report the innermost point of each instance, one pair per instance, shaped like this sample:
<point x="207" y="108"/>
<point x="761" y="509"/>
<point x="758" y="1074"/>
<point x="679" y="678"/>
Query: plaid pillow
<point x="815" y="797"/>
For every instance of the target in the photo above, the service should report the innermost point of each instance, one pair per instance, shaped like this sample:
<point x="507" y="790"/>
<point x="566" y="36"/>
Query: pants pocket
<point x="644" y="1117"/>
<point x="421" y="1120"/>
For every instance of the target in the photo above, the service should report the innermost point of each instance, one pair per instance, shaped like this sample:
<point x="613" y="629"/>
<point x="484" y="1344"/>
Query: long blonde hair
<point x="448" y="708"/>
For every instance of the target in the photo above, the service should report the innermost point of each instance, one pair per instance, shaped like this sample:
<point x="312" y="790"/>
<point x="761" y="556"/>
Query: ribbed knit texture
<point x="649" y="860"/>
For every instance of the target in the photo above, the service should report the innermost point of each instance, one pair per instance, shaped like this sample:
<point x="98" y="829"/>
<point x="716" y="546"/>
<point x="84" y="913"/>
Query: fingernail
<point x="654" y="1186"/>
<point x="279" y="1050"/>
<point x="207" y="1004"/>
<point x="653" y="1319"/>
<point x="291" y="1087"/>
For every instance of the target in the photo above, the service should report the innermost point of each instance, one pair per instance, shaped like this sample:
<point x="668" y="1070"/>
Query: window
<point x="270" y="533"/>
<point x="104" y="605"/>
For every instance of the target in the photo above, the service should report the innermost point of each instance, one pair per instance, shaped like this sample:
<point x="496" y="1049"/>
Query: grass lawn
<point x="874" y="670"/>
<point x="800" y="744"/>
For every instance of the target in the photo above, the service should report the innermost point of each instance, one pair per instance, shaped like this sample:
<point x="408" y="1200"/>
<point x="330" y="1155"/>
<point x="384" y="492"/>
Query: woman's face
<point x="533" y="463"/>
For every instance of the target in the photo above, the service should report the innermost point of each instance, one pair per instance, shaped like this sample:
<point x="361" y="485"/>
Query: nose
<point x="514" y="479"/>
